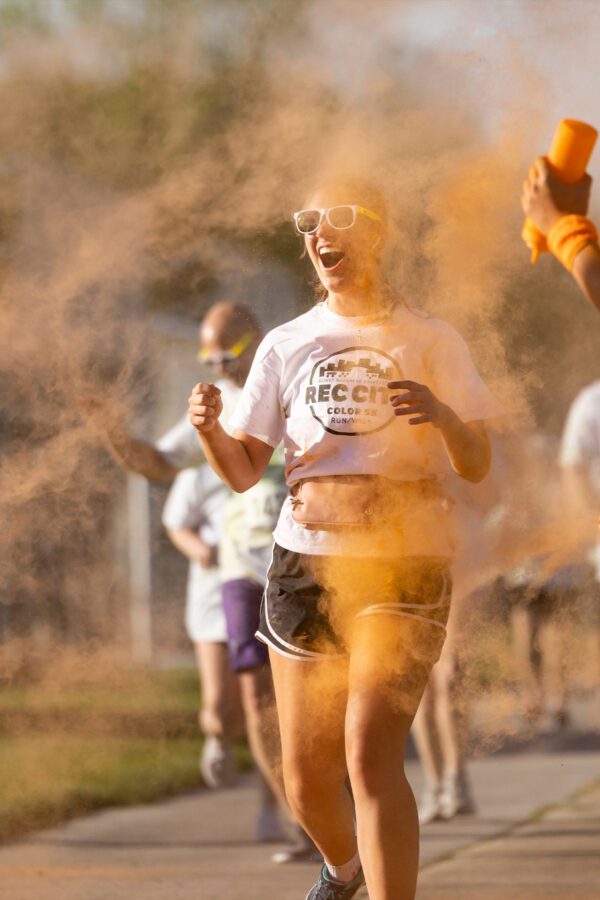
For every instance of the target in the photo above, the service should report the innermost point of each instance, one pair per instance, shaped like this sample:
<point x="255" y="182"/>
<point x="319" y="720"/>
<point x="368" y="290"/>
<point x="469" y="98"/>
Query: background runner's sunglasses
<point x="308" y="220"/>
<point x="228" y="356"/>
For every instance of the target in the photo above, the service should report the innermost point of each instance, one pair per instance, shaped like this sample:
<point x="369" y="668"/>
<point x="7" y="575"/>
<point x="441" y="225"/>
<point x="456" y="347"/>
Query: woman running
<point x="378" y="407"/>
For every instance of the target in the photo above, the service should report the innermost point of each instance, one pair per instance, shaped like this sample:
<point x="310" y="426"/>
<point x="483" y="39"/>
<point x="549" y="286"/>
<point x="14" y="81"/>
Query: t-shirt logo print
<point x="347" y="391"/>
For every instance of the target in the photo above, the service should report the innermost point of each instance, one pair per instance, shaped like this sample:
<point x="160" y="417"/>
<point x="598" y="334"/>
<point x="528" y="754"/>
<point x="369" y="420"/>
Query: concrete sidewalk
<point x="555" y="856"/>
<point x="200" y="847"/>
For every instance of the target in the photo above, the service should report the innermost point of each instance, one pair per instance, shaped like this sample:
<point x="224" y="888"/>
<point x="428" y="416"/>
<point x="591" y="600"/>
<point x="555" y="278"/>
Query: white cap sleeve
<point x="580" y="443"/>
<point x="183" y="506"/>
<point x="259" y="412"/>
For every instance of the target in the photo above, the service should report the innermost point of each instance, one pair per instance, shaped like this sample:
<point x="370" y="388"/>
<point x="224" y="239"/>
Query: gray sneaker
<point x="455" y="798"/>
<point x="429" y="805"/>
<point x="217" y="763"/>
<point x="327" y="888"/>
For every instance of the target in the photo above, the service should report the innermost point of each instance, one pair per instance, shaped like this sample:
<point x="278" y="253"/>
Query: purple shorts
<point x="241" y="603"/>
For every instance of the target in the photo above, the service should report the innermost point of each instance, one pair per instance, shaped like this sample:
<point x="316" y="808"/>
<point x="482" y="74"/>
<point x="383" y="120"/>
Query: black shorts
<point x="310" y="602"/>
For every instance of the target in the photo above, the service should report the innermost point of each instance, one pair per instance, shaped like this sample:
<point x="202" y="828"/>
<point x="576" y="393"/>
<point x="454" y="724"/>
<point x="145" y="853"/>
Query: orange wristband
<point x="569" y="236"/>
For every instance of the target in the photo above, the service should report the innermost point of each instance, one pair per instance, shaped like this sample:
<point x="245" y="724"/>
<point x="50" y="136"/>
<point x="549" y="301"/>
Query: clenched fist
<point x="545" y="199"/>
<point x="204" y="407"/>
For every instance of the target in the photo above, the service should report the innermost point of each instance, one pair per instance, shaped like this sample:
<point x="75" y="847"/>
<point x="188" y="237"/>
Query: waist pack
<point x="361" y="501"/>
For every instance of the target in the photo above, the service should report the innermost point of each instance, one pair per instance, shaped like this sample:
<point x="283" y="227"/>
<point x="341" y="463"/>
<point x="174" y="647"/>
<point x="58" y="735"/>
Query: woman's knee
<point x="301" y="789"/>
<point x="367" y="765"/>
<point x="307" y="786"/>
<point x="375" y="745"/>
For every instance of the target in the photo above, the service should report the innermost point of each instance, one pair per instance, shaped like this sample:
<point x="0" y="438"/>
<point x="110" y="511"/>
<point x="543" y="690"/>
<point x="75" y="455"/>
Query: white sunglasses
<point x="339" y="217"/>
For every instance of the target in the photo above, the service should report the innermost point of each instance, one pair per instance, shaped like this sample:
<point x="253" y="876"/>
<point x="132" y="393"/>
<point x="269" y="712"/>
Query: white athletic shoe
<point x="217" y="763"/>
<point x="455" y="796"/>
<point x="429" y="805"/>
<point x="269" y="829"/>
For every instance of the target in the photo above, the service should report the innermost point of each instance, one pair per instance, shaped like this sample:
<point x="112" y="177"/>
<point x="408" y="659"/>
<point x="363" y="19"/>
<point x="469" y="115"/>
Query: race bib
<point x="262" y="504"/>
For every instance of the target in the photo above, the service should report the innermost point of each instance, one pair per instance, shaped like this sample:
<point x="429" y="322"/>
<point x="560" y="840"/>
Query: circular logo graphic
<point x="347" y="392"/>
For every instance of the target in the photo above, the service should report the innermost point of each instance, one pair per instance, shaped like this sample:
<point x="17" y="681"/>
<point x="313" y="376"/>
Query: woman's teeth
<point x="330" y="257"/>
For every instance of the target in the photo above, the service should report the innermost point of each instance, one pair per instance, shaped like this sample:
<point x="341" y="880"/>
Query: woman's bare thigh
<point x="311" y="706"/>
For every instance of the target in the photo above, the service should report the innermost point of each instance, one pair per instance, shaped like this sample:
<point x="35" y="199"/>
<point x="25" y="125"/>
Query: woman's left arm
<point x="466" y="443"/>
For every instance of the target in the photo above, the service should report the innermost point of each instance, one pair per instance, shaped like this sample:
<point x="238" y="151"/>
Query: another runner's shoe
<point x="327" y="888"/>
<point x="429" y="805"/>
<point x="217" y="763"/>
<point x="301" y="851"/>
<point x="455" y="797"/>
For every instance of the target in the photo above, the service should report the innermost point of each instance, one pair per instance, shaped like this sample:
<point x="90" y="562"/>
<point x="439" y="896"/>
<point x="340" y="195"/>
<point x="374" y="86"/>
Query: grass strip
<point x="45" y="781"/>
<point x="66" y="750"/>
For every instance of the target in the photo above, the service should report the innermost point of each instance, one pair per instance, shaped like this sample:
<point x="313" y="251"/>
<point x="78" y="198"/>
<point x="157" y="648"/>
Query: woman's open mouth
<point x="330" y="257"/>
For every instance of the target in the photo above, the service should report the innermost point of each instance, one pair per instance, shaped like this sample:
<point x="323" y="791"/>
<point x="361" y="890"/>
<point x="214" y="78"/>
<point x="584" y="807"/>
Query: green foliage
<point x="112" y="94"/>
<point x="66" y="750"/>
<point x="46" y="781"/>
<point x="22" y="15"/>
<point x="126" y="116"/>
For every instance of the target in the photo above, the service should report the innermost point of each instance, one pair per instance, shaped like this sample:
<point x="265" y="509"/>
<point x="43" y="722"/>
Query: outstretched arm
<point x="546" y="200"/>
<point x="466" y="443"/>
<point x="134" y="455"/>
<point x="240" y="460"/>
<point x="138" y="456"/>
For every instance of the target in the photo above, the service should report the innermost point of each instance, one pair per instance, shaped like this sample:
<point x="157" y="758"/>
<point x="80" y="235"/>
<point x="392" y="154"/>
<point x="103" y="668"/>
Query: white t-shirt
<point x="250" y="518"/>
<point x="580" y="447"/>
<point x="197" y="501"/>
<point x="319" y="384"/>
<point x="247" y="520"/>
<point x="181" y="446"/>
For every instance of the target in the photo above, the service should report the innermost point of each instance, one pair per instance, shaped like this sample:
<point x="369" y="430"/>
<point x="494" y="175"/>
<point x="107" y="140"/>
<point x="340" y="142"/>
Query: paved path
<point x="200" y="847"/>
<point x="556" y="856"/>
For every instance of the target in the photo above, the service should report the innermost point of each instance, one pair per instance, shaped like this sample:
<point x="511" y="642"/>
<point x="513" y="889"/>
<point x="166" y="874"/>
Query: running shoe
<point x="429" y="805"/>
<point x="217" y="763"/>
<point x="327" y="888"/>
<point x="455" y="797"/>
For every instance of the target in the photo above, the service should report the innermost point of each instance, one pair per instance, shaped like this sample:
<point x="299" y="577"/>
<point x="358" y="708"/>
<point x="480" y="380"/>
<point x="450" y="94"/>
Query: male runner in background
<point x="193" y="517"/>
<point x="229" y="336"/>
<point x="203" y="521"/>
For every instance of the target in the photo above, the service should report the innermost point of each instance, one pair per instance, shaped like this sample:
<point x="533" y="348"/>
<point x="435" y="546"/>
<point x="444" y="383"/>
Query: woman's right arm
<point x="586" y="272"/>
<point x="545" y="200"/>
<point x="240" y="461"/>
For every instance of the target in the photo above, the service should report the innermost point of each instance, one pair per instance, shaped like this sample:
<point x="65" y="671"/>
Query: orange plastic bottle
<point x="569" y="155"/>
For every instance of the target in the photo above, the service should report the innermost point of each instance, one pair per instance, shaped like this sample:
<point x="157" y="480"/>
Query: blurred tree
<point x="123" y="94"/>
<point x="186" y="125"/>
